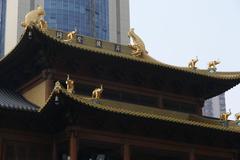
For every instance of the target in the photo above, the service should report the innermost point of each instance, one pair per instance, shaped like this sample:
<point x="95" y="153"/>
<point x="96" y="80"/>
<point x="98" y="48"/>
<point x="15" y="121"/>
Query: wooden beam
<point x="16" y="135"/>
<point x="126" y="152"/>
<point x="73" y="146"/>
<point x="116" y="138"/>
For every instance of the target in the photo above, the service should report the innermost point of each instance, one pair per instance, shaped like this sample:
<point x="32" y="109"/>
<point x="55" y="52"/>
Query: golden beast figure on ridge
<point x="138" y="44"/>
<point x="35" y="18"/>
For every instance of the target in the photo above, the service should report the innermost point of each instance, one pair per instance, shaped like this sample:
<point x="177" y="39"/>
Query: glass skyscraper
<point x="2" y="25"/>
<point x="89" y="17"/>
<point x="101" y="19"/>
<point x="215" y="106"/>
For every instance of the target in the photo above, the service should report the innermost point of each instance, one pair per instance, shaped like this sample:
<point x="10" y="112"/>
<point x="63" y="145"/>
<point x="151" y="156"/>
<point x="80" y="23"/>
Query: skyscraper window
<point x="89" y="17"/>
<point x="2" y="25"/>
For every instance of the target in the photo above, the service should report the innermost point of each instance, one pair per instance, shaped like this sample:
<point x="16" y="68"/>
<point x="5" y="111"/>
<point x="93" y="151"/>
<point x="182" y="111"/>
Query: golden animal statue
<point x="35" y="18"/>
<point x="97" y="93"/>
<point x="70" y="36"/>
<point x="237" y="116"/>
<point x="192" y="63"/>
<point x="70" y="85"/>
<point x="43" y="25"/>
<point x="224" y="116"/>
<point x="138" y="44"/>
<point x="212" y="64"/>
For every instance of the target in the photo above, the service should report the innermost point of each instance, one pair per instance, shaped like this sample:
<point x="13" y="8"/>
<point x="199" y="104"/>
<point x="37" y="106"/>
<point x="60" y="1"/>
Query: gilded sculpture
<point x="224" y="116"/>
<point x="237" y="116"/>
<point x="43" y="24"/>
<point x="192" y="63"/>
<point x="97" y="93"/>
<point x="57" y="87"/>
<point x="138" y="44"/>
<point x="212" y="65"/>
<point x="70" y="36"/>
<point x="35" y="18"/>
<point x="70" y="85"/>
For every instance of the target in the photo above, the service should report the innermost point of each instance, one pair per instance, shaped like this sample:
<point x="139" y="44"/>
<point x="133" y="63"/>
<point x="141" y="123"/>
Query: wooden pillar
<point x="235" y="156"/>
<point x="199" y="107"/>
<point x="126" y="152"/>
<point x="73" y="146"/>
<point x="192" y="155"/>
<point x="54" y="150"/>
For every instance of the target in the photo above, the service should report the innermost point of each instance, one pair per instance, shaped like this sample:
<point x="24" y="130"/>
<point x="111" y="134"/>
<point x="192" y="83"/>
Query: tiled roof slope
<point x="108" y="49"/>
<point x="11" y="100"/>
<point x="141" y="111"/>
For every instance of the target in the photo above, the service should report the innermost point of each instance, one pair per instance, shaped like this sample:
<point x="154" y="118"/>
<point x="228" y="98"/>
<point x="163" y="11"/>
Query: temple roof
<point x="10" y="100"/>
<point x="44" y="49"/>
<point x="89" y="44"/>
<point x="140" y="111"/>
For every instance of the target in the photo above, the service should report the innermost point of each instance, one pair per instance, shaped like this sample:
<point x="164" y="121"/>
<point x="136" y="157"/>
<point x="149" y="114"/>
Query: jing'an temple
<point x="65" y="96"/>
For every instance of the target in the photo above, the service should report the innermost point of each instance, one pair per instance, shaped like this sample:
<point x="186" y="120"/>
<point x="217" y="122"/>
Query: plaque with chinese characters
<point x="59" y="35"/>
<point x="99" y="43"/>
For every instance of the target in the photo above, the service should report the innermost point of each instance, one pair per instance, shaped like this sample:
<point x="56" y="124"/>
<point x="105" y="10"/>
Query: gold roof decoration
<point x="97" y="93"/>
<point x="138" y="46"/>
<point x="35" y="18"/>
<point x="192" y="63"/>
<point x="237" y="119"/>
<point x="224" y="116"/>
<point x="70" y="85"/>
<point x="57" y="87"/>
<point x="70" y="35"/>
<point x="212" y="65"/>
<point x="237" y="116"/>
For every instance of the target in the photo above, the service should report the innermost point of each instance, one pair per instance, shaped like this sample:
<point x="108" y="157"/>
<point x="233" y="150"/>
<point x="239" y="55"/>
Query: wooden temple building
<point x="148" y="110"/>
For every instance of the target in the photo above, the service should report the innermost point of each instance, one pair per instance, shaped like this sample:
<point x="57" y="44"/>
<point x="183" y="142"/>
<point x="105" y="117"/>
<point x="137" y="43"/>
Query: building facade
<point x="2" y="25"/>
<point x="215" y="106"/>
<point x="144" y="109"/>
<point x="102" y="19"/>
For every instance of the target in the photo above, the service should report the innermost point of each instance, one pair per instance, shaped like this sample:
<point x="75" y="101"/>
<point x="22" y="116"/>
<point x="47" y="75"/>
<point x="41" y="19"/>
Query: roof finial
<point x="212" y="65"/>
<point x="237" y="116"/>
<point x="57" y="87"/>
<point x="97" y="93"/>
<point x="138" y="45"/>
<point x="70" y="85"/>
<point x="224" y="116"/>
<point x="35" y="18"/>
<point x="70" y="35"/>
<point x="192" y="63"/>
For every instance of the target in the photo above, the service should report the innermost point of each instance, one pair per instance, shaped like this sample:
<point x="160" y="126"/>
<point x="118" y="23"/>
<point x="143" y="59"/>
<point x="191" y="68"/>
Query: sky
<point x="175" y="31"/>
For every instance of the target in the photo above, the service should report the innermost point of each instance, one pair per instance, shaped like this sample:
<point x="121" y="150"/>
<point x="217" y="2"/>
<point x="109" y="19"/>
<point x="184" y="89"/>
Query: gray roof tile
<point x="12" y="100"/>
